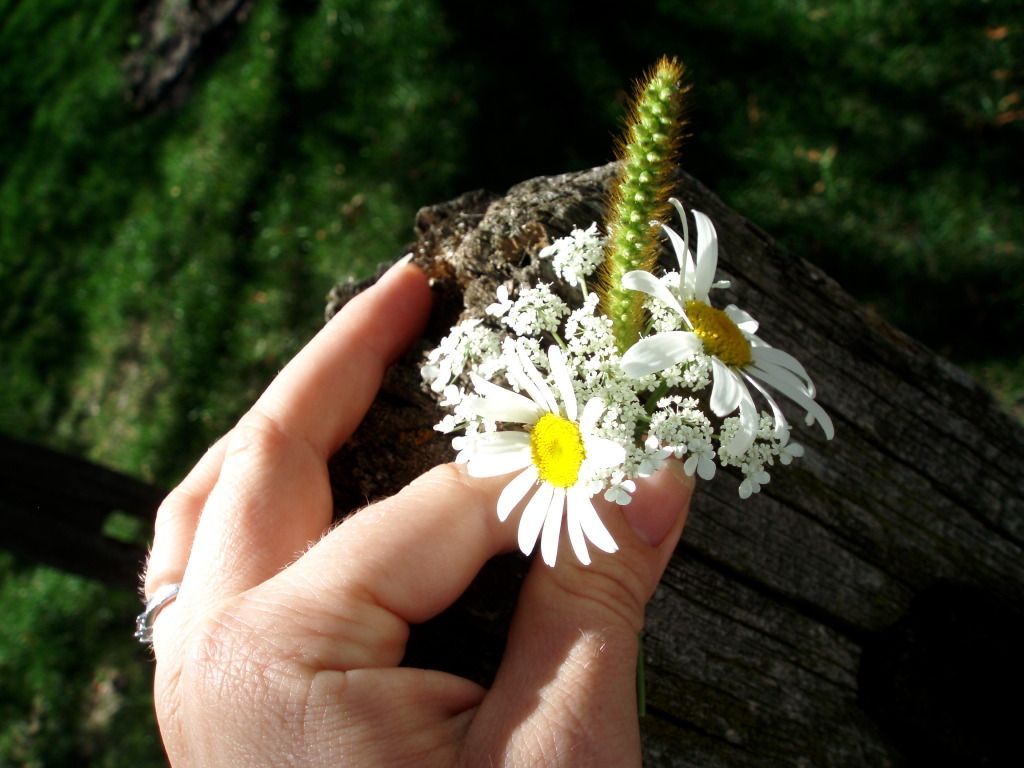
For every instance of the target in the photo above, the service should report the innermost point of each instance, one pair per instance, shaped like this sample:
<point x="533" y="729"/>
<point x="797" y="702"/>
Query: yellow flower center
<point x="720" y="336"/>
<point x="557" y="449"/>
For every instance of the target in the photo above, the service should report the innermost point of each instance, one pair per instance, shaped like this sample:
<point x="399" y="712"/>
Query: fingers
<point x="399" y="561"/>
<point x="323" y="393"/>
<point x="272" y="497"/>
<point x="177" y="518"/>
<point x="567" y="682"/>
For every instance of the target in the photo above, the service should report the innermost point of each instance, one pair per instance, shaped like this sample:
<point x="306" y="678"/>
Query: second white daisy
<point x="728" y="337"/>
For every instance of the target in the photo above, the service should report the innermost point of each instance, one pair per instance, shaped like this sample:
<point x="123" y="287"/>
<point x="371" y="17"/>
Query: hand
<point x="283" y="644"/>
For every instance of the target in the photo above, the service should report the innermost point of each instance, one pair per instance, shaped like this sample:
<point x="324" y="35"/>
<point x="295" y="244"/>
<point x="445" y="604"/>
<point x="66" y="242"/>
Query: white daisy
<point x="558" y="453"/>
<point x="738" y="356"/>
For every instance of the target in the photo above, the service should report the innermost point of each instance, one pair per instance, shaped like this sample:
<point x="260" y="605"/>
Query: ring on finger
<point x="145" y="620"/>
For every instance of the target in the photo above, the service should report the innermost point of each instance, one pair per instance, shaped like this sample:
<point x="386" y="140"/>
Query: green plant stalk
<point x="648" y="156"/>
<point x="641" y="679"/>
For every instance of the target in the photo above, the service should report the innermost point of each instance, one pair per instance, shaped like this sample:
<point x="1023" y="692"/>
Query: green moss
<point x="74" y="688"/>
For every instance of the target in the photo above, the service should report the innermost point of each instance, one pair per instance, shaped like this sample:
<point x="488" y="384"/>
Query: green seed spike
<point x="648" y="156"/>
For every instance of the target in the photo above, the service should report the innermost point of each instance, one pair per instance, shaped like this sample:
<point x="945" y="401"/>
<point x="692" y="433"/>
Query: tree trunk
<point x="863" y="609"/>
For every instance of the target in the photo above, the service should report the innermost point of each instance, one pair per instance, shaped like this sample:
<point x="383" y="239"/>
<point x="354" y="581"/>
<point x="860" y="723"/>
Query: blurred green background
<point x="159" y="264"/>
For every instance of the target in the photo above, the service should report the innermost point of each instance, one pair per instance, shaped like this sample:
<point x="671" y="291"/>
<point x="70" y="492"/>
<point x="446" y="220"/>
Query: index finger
<point x="323" y="393"/>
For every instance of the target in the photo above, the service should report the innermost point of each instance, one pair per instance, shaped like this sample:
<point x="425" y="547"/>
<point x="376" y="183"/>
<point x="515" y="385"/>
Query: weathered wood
<point x="53" y="509"/>
<point x="175" y="38"/>
<point x="755" y="638"/>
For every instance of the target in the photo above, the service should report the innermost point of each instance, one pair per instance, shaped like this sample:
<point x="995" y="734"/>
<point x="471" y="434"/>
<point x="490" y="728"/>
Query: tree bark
<point x="820" y="623"/>
<point x="175" y="38"/>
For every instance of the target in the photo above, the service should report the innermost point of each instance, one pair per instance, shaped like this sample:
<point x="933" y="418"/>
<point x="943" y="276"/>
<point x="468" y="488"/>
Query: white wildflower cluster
<point x="763" y="452"/>
<point x="681" y="429"/>
<point x="539" y="387"/>
<point x="536" y="311"/>
<point x="470" y="343"/>
<point x="575" y="257"/>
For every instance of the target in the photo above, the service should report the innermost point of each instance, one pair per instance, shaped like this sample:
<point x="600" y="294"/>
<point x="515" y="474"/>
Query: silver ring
<point x="146" y="619"/>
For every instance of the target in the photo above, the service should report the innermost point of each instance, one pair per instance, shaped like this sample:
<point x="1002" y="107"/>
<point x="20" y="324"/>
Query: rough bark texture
<point x="864" y="609"/>
<point x="175" y="37"/>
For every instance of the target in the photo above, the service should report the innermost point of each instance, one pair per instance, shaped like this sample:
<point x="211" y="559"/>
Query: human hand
<point x="283" y="643"/>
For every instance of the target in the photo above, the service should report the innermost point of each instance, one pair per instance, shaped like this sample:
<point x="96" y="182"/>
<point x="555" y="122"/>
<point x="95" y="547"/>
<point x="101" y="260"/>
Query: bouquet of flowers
<point x="579" y="387"/>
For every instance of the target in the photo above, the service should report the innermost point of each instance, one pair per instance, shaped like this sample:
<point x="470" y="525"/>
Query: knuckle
<point x="452" y="481"/>
<point x="449" y="481"/>
<point x="443" y="476"/>
<point x="614" y="590"/>
<point x="256" y="435"/>
<point x="176" y="507"/>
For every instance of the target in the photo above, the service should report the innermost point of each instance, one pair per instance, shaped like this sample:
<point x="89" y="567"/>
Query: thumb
<point x="567" y="683"/>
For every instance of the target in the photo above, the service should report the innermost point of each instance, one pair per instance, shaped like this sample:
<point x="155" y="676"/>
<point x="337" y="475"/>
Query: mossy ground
<point x="157" y="269"/>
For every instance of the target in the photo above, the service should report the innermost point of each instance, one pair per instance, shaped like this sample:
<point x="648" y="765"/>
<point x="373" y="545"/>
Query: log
<point x="54" y="509"/>
<point x="863" y="609"/>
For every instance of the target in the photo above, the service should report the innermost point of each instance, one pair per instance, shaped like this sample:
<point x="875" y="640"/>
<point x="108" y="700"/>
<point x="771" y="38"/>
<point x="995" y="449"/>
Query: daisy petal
<point x="552" y="527"/>
<point x="492" y="443"/>
<point x="540" y="391"/>
<point x="645" y="282"/>
<point x="779" y="374"/>
<point x="497" y="453"/>
<point x="786" y="387"/>
<point x="781" y="431"/>
<point x="742" y="319"/>
<point x="592" y="526"/>
<point x="682" y="248"/>
<point x="500" y="404"/>
<point x="533" y="517"/>
<point x="707" y="256"/>
<point x="745" y="436"/>
<point x="727" y="390"/>
<point x="576" y="537"/>
<point x="603" y="453"/>
<point x="591" y="413"/>
<point x="517" y="377"/>
<point x="764" y="356"/>
<point x="495" y="465"/>
<point x="515" y="491"/>
<point x="681" y="245"/>
<point x="562" y="380"/>
<point x="658" y="352"/>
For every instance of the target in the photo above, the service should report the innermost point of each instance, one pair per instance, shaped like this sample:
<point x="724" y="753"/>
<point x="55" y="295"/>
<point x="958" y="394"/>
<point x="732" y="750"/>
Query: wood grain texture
<point x="755" y="639"/>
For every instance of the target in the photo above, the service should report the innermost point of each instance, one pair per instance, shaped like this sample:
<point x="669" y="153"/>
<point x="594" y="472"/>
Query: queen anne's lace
<point x="575" y="257"/>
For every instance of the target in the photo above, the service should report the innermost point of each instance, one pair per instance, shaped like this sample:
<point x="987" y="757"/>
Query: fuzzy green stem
<point x="648" y="157"/>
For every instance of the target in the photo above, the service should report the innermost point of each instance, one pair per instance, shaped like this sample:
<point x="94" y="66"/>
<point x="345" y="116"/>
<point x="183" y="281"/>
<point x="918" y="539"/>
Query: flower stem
<point x="641" y="680"/>
<point x="648" y="158"/>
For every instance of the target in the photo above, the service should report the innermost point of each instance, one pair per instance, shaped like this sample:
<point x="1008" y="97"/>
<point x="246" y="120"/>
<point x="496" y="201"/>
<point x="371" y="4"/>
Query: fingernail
<point x="676" y="468"/>
<point x="398" y="265"/>
<point x="658" y="503"/>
